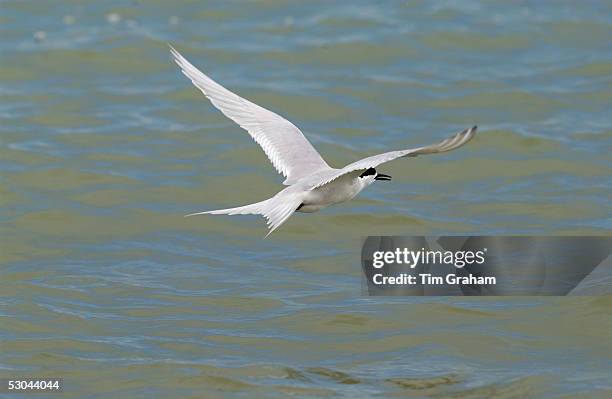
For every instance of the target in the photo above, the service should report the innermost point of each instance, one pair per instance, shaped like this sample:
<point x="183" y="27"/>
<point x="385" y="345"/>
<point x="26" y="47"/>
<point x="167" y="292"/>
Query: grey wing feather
<point x="289" y="151"/>
<point x="449" y="144"/>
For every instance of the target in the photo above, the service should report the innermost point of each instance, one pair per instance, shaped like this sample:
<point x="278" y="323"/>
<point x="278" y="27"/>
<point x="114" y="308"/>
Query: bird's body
<point x="311" y="183"/>
<point x="342" y="189"/>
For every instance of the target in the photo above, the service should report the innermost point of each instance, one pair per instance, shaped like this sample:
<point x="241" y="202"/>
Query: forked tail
<point x="276" y="210"/>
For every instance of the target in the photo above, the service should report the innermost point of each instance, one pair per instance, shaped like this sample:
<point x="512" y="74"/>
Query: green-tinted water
<point x="105" y="146"/>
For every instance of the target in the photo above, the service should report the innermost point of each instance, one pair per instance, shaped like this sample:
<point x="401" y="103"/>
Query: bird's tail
<point x="276" y="210"/>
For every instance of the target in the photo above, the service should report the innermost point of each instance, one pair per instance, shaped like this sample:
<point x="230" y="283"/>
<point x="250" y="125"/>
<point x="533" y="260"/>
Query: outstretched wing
<point x="449" y="144"/>
<point x="289" y="151"/>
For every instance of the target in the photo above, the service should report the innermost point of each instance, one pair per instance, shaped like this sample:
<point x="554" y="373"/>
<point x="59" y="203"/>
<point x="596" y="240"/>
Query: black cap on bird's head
<point x="377" y="176"/>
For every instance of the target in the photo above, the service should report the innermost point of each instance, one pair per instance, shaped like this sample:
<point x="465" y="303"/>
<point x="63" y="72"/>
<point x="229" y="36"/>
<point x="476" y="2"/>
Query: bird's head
<point x="370" y="174"/>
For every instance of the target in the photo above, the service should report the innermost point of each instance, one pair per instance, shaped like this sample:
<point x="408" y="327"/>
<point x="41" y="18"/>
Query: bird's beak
<point x="381" y="176"/>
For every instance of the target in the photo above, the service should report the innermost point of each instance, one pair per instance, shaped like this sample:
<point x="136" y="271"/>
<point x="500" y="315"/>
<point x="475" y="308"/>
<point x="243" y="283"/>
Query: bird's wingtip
<point x="175" y="54"/>
<point x="471" y="132"/>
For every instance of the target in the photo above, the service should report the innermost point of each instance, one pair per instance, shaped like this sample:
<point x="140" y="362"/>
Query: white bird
<point x="312" y="183"/>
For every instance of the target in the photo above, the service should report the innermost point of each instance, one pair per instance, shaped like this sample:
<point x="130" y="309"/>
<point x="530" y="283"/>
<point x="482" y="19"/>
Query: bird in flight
<point x="311" y="183"/>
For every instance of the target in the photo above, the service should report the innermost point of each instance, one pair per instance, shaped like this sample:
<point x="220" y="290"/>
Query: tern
<point x="312" y="183"/>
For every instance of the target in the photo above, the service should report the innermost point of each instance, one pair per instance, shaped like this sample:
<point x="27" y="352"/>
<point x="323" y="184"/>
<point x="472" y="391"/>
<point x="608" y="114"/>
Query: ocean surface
<point x="105" y="145"/>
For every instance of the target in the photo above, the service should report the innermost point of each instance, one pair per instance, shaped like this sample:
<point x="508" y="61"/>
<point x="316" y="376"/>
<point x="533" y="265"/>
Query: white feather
<point x="289" y="151"/>
<point x="294" y="157"/>
<point x="449" y="144"/>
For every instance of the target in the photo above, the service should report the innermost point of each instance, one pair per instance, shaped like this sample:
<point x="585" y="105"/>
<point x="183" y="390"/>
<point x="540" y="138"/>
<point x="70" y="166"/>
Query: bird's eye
<point x="368" y="172"/>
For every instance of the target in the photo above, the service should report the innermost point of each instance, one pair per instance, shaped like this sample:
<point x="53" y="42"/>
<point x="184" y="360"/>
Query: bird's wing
<point x="449" y="144"/>
<point x="289" y="151"/>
